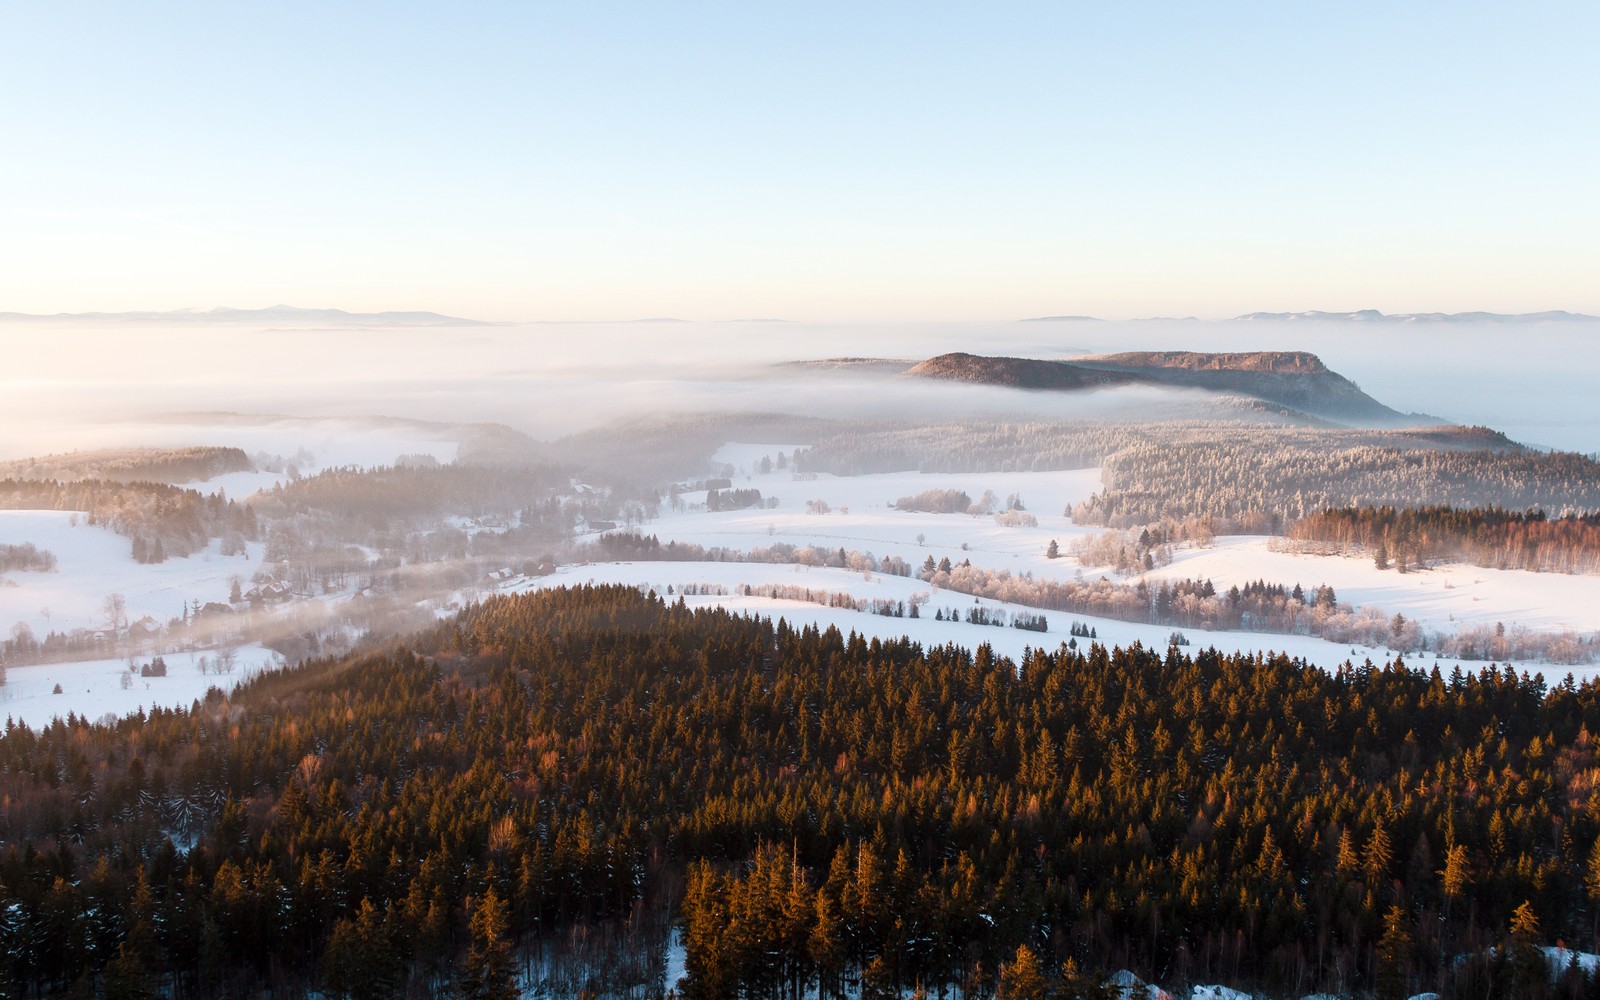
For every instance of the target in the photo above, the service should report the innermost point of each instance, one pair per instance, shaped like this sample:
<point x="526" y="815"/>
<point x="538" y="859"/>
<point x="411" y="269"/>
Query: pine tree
<point x="1379" y="856"/>
<point x="1457" y="873"/>
<point x="487" y="973"/>
<point x="1591" y="874"/>
<point x="1524" y="972"/>
<point x="1394" y="956"/>
<point x="127" y="977"/>
<point x="1022" y="978"/>
<point x="361" y="961"/>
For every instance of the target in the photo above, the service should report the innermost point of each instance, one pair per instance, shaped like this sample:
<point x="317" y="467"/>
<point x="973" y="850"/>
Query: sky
<point x="820" y="162"/>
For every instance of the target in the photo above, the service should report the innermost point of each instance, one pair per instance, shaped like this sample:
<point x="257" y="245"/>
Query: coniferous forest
<point x="815" y="812"/>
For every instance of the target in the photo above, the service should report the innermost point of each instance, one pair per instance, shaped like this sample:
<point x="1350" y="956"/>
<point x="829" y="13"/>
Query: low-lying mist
<point x="90" y="384"/>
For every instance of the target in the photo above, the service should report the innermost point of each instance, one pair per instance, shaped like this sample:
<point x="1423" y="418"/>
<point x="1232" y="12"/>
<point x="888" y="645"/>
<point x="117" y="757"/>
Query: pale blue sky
<point x="809" y="161"/>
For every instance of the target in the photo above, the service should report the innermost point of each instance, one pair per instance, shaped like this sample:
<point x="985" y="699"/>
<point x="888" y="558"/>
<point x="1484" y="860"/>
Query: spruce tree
<point x="487" y="973"/>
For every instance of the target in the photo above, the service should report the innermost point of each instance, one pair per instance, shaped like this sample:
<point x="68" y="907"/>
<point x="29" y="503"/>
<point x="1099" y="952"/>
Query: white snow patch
<point x="1561" y="958"/>
<point x="93" y="688"/>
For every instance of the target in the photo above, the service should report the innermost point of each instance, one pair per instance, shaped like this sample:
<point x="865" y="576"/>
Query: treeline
<point x="132" y="465"/>
<point x="936" y="502"/>
<point x="159" y="519"/>
<point x="1259" y="481"/>
<point x="623" y="546"/>
<point x="366" y="500"/>
<point x="1485" y="536"/>
<point x="824" y="813"/>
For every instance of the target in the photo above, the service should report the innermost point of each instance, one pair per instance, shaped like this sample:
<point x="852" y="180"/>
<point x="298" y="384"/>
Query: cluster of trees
<point x="1258" y="481"/>
<point x="132" y="465"/>
<point x="735" y="499"/>
<point x="949" y="501"/>
<point x="936" y="501"/>
<point x="173" y="521"/>
<point x="1124" y="552"/>
<point x="405" y="529"/>
<point x="369" y="501"/>
<point x="1486" y="536"/>
<point x="26" y="556"/>
<point x="822" y="813"/>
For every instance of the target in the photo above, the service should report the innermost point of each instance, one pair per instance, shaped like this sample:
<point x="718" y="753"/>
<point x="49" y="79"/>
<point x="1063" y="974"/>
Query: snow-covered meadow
<point x="95" y="564"/>
<point x="861" y="516"/>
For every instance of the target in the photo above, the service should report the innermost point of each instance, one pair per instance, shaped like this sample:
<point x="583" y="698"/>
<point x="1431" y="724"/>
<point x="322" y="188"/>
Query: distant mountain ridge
<point x="1356" y="316"/>
<point x="280" y="314"/>
<point x="1374" y="316"/>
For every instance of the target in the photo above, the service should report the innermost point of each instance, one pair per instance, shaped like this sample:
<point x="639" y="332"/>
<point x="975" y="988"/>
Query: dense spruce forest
<point x="815" y="811"/>
<point x="1491" y="537"/>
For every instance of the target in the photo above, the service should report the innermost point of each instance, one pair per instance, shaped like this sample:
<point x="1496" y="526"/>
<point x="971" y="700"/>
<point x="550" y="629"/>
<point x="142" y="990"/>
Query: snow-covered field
<point x="1441" y="598"/>
<point x="94" y="688"/>
<point x="862" y="517"/>
<point x="93" y="562"/>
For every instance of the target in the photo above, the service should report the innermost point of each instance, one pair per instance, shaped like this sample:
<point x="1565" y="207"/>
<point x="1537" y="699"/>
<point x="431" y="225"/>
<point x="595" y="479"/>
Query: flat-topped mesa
<point x="1279" y="362"/>
<point x="1296" y="380"/>
<point x="1019" y="373"/>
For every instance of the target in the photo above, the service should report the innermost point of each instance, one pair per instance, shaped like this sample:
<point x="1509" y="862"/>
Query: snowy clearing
<point x="94" y="688"/>
<point x="94" y="562"/>
<point x="731" y="579"/>
<point x="860" y="515"/>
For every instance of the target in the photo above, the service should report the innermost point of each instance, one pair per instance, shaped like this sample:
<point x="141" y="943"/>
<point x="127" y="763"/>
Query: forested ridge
<point x="163" y="521"/>
<point x="131" y="465"/>
<point x="817" y="810"/>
